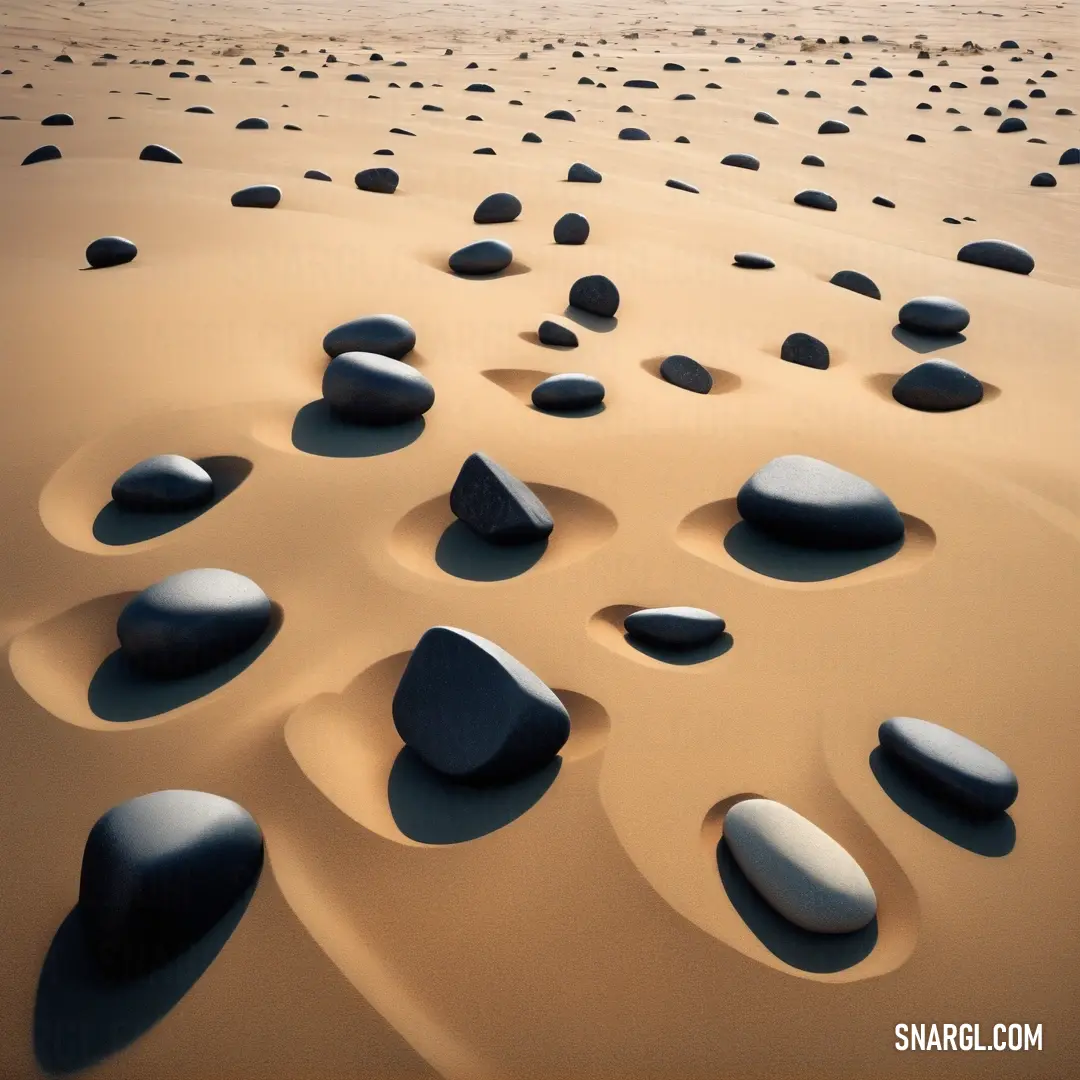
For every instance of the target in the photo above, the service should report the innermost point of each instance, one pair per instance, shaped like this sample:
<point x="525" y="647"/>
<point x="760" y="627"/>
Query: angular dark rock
<point x="496" y="505"/>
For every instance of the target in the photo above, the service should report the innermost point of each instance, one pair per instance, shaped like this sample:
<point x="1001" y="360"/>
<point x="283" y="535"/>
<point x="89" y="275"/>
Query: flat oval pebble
<point x="253" y="123"/>
<point x="381" y="179"/>
<point x="997" y="254"/>
<point x="741" y="161"/>
<point x="369" y="388"/>
<point x="260" y="196"/>
<point x="191" y="622"/>
<point x="674" y="627"/>
<point x="818" y="200"/>
<point x="481" y="257"/>
<point x="497" y="209"/>
<point x="937" y="386"/>
<point x="164" y="482"/>
<point x="571" y="228"/>
<point x="473" y="712"/>
<point x="934" y="315"/>
<point x="686" y="373"/>
<point x="634" y="134"/>
<point x="856" y="282"/>
<point x="954" y="765"/>
<point x="814" y="160"/>
<point x="496" y="505"/>
<point x="58" y="120"/>
<point x="595" y="294"/>
<point x="801" y="871"/>
<point x="110" y="251"/>
<point x="804" y="501"/>
<point x="752" y="260"/>
<point x="158" y="872"/>
<point x="568" y="391"/>
<point x="387" y="335"/>
<point x="833" y="127"/>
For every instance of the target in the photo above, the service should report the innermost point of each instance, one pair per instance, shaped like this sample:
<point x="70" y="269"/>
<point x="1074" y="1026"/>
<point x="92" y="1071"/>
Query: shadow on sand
<point x="993" y="836"/>
<point x="431" y="809"/>
<point x="120" y="694"/>
<point x="81" y="1017"/>
<point x="317" y="431"/>
<point x="117" y="526"/>
<point x="758" y="551"/>
<point x="925" y="343"/>
<point x="463" y="554"/>
<point x="600" y="324"/>
<point x="802" y="949"/>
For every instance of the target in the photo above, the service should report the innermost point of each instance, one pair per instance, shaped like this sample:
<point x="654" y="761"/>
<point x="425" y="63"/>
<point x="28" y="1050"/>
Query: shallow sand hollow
<point x="586" y="921"/>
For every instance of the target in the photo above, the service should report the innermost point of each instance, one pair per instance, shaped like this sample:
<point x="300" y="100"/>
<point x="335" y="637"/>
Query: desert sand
<point x="575" y="925"/>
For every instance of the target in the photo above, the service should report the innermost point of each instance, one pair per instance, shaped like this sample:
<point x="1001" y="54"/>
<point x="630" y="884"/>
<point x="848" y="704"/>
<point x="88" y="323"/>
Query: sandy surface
<point x="591" y="935"/>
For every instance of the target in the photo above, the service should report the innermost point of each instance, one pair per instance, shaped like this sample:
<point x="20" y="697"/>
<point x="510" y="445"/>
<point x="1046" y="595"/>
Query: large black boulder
<point x="473" y="712"/>
<point x="496" y="505"/>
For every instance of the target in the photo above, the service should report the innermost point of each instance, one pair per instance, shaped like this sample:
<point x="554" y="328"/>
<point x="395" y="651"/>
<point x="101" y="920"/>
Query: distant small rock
<point x="634" y="134"/>
<point x="880" y="73"/>
<point x="642" y="84"/>
<point x="58" y="120"/>
<point x="752" y="260"/>
<point x="682" y="185"/>
<point x="154" y="152"/>
<point x="316" y="174"/>
<point x="765" y="118"/>
<point x="813" y="159"/>
<point x="741" y="161"/>
<point x="480" y="88"/>
<point x="833" y="127"/>
<point x="1011" y="124"/>
<point x="560" y="114"/>
<point x="818" y="200"/>
<point x="253" y="123"/>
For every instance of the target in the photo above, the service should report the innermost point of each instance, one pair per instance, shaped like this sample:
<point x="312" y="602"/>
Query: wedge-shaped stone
<point x="496" y="505"/>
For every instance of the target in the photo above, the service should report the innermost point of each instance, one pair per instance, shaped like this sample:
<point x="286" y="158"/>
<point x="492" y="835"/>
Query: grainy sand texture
<point x="585" y="920"/>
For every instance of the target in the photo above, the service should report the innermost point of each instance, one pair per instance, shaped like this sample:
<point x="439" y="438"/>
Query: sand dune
<point x="586" y="920"/>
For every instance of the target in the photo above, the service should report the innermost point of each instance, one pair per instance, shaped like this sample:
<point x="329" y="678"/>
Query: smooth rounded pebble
<point x="202" y="110"/>
<point x="58" y="120"/>
<point x="497" y="209"/>
<point x="155" y="152"/>
<point x="191" y="622"/>
<point x="934" y="315"/>
<point x="163" y="483"/>
<point x="1011" y="124"/>
<point x="496" y="505"/>
<point x="810" y="503"/>
<point x="856" y="282"/>
<point x="387" y="335"/>
<point x="1044" y="179"/>
<point x="833" y="127"/>
<point x="805" y="350"/>
<point x="158" y="872"/>
<point x="481" y="257"/>
<point x="317" y="174"/>
<point x="937" y="386"/>
<point x="259" y="196"/>
<point x="880" y="73"/>
<point x="43" y="153"/>
<point x="813" y="159"/>
<point x="110" y="251"/>
<point x="741" y="161"/>
<point x="552" y="333"/>
<point x="580" y="173"/>
<point x="253" y="123"/>
<point x="595" y="294"/>
<point x="368" y="388"/>
<point x="560" y="114"/>
<point x="567" y="392"/>
<point x="997" y="254"/>
<point x="818" y="200"/>
<point x="1070" y="156"/>
<point x="381" y="179"/>
<point x="642" y="84"/>
<point x="801" y="871"/>
<point x="473" y="712"/>
<point x="765" y="118"/>
<point x="686" y="373"/>
<point x="752" y="260"/>
<point x="674" y="627"/>
<point x="634" y="134"/>
<point x="950" y="764"/>
<point x="571" y="229"/>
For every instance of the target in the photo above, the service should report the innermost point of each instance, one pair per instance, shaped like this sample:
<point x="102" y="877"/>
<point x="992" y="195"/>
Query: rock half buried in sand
<point x="856" y="282"/>
<point x="805" y="501"/>
<point x="165" y="482"/>
<point x="833" y="127"/>
<point x="634" y="134"/>
<point x="997" y="254"/>
<point x="191" y="622"/>
<point x="110" y="251"/>
<point x="753" y="260"/>
<point x="805" y="350"/>
<point x="260" y="196"/>
<point x="818" y="200"/>
<point x="381" y="179"/>
<point x="551" y="333"/>
<point x="253" y="123"/>
<point x="674" y="627"/>
<point x="1011" y="124"/>
<point x="595" y="294"/>
<point x="387" y="335"/>
<point x="473" y="712"/>
<point x="60" y="119"/>
<point x="496" y="505"/>
<point x="682" y="185"/>
<point x="497" y="209"/>
<point x="560" y="114"/>
<point x="934" y="315"/>
<point x="317" y="174"/>
<point x="1070" y="156"/>
<point x="368" y="388"/>
<point x="567" y="392"/>
<point x="801" y="871"/>
<point x="1044" y="179"/>
<point x="741" y="161"/>
<point x="938" y="386"/>
<point x="765" y="118"/>
<point x="481" y="257"/>
<point x="952" y="765"/>
<point x="686" y="373"/>
<point x="580" y="173"/>
<point x="43" y="153"/>
<point x="159" y="871"/>
<point x="571" y="229"/>
<point x="156" y="152"/>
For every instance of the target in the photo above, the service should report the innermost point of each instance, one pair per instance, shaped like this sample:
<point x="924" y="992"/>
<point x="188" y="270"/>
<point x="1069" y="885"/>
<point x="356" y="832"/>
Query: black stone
<point x="253" y="123"/>
<point x="998" y="254"/>
<point x="833" y="127"/>
<point x="316" y="174"/>
<point x="163" y="484"/>
<point x="571" y="229"/>
<point x="1044" y="179"/>
<point x="382" y="180"/>
<point x="741" y="161"/>
<point x="552" y="333"/>
<point x="58" y="120"/>
<point x="813" y="159"/>
<point x="496" y="505"/>
<point x="387" y="335"/>
<point x="633" y="134"/>
<point x="752" y="260"/>
<point x="818" y="200"/>
<point x="674" y="627"/>
<point x="595" y="294"/>
<point x="42" y="153"/>
<point x="371" y="389"/>
<point x="686" y="373"/>
<point x="682" y="185"/>
<point x="805" y="350"/>
<point x="568" y="392"/>
<point x="937" y="386"/>
<point x="934" y="315"/>
<point x="497" y="209"/>
<point x="856" y="282"/>
<point x="1010" y="124"/>
<point x="154" y="152"/>
<point x="765" y="118"/>
<point x="259" y="196"/>
<point x="481" y="257"/>
<point x="560" y="114"/>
